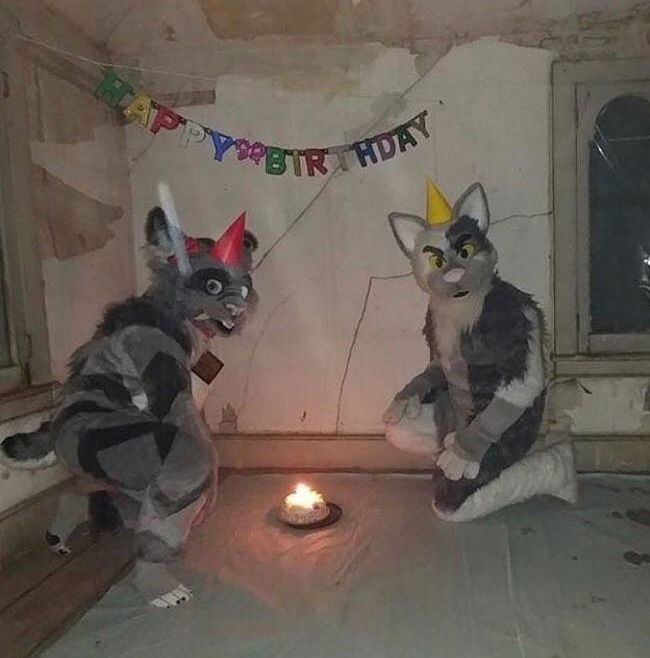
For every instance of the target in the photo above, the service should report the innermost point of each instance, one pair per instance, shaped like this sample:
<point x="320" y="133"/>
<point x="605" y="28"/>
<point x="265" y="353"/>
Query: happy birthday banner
<point x="154" y="116"/>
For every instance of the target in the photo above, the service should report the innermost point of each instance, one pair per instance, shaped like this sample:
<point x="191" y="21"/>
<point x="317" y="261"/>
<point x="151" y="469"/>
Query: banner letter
<point x="193" y="133"/>
<point x="221" y="144"/>
<point x="164" y="118"/>
<point x="112" y="89"/>
<point x="365" y="150"/>
<point x="385" y="146"/>
<point x="275" y="160"/>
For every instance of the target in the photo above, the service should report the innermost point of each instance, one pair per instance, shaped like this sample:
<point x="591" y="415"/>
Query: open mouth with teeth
<point x="210" y="327"/>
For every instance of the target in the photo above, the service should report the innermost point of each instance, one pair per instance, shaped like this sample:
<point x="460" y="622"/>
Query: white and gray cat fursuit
<point x="477" y="408"/>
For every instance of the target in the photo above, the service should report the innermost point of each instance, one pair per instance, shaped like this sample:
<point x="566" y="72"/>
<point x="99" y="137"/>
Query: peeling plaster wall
<point x="82" y="206"/>
<point x="284" y="373"/>
<point x="81" y="199"/>
<point x="295" y="73"/>
<point x="326" y="74"/>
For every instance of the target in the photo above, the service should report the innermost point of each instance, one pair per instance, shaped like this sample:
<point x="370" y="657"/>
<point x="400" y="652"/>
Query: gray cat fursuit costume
<point x="477" y="408"/>
<point x="127" y="423"/>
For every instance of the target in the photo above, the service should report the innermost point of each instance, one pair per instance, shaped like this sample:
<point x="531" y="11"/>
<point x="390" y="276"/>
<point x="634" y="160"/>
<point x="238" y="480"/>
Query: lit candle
<point x="304" y="497"/>
<point x="304" y="506"/>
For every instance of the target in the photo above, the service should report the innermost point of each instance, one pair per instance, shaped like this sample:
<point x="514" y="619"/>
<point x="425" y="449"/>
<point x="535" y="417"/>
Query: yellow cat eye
<point x="467" y="250"/>
<point x="436" y="261"/>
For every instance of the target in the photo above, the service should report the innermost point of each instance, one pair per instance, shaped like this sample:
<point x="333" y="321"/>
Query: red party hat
<point x="229" y="247"/>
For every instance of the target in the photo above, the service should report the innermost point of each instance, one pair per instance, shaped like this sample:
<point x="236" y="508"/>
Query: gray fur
<point x="486" y="373"/>
<point x="127" y="420"/>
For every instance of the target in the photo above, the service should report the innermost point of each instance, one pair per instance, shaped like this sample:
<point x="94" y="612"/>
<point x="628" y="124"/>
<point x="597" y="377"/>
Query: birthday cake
<point x="304" y="507"/>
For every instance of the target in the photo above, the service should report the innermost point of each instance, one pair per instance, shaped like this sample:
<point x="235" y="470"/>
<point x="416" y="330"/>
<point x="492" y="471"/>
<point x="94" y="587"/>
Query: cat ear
<point x="473" y="203"/>
<point x="406" y="229"/>
<point x="159" y="233"/>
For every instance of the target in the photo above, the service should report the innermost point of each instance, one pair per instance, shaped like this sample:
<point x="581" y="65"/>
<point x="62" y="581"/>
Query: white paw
<point x="177" y="596"/>
<point x="60" y="549"/>
<point x="56" y="545"/>
<point x="455" y="462"/>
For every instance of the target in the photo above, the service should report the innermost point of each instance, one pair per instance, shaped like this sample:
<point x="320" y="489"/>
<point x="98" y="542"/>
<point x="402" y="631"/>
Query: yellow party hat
<point x="438" y="210"/>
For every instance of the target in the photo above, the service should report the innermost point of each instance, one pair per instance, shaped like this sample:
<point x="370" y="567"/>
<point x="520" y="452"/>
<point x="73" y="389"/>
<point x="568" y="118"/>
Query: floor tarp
<point x="539" y="580"/>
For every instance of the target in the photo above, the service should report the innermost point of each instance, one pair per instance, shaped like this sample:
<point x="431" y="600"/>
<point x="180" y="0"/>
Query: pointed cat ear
<point x="158" y="232"/>
<point x="473" y="203"/>
<point x="406" y="229"/>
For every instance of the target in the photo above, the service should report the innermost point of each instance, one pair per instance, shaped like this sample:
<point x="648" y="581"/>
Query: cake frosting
<point x="303" y="507"/>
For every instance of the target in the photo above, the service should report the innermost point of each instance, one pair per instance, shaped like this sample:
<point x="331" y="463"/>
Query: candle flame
<point x="305" y="497"/>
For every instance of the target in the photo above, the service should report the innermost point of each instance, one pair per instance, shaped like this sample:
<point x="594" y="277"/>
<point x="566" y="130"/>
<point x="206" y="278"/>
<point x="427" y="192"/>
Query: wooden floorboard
<point x="28" y="571"/>
<point x="45" y="610"/>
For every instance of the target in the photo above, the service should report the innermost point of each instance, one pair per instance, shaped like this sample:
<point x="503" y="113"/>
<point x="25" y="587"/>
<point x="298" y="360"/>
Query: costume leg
<point x="514" y="444"/>
<point x="72" y="511"/>
<point x="128" y="507"/>
<point x="548" y="471"/>
<point x="424" y="434"/>
<point x="172" y="504"/>
<point x="165" y="465"/>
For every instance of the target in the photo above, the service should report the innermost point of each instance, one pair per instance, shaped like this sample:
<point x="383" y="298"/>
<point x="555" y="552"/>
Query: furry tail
<point x="29" y="450"/>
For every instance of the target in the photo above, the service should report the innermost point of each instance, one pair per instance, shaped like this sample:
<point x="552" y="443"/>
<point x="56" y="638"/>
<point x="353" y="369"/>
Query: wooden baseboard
<point x="372" y="453"/>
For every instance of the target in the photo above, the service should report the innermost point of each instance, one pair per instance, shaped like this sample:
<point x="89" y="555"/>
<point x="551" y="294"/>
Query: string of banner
<point x="140" y="107"/>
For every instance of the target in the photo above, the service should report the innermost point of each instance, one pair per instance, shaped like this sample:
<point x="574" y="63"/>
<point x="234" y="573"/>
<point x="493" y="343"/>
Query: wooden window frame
<point x="575" y="87"/>
<point x="26" y="385"/>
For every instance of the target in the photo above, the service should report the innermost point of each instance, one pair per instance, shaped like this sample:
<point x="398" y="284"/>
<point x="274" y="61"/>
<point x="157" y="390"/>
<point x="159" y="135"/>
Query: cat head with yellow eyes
<point x="455" y="259"/>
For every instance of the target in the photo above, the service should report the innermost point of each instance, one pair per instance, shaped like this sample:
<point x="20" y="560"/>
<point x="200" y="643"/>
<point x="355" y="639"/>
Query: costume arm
<point x="509" y="401"/>
<point x="422" y="384"/>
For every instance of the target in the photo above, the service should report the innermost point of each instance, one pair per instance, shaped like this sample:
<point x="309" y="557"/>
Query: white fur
<point x="450" y="318"/>
<point x="175" y="234"/>
<point x="407" y="228"/>
<point x="417" y="436"/>
<point x="28" y="464"/>
<point x="140" y="400"/>
<point x="27" y="426"/>
<point x="548" y="471"/>
<point x="523" y="392"/>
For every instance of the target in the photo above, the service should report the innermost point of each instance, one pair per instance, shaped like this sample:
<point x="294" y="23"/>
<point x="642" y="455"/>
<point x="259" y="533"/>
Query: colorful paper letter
<point x="419" y="123"/>
<point x="193" y="133"/>
<point x="221" y="144"/>
<point x="315" y="159"/>
<point x="365" y="150"/>
<point x="404" y="138"/>
<point x="112" y="89"/>
<point x="164" y="118"/>
<point x="139" y="108"/>
<point x="275" y="160"/>
<point x="385" y="146"/>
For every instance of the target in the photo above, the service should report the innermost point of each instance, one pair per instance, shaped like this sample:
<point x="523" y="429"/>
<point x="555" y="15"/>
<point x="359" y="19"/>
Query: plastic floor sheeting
<point x="538" y="580"/>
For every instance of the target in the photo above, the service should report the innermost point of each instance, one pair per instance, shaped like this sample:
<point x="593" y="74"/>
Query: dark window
<point x="619" y="214"/>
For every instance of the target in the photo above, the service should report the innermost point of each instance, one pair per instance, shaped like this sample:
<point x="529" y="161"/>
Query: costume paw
<point x="455" y="462"/>
<point x="55" y="544"/>
<point x="176" y="597"/>
<point x="409" y="407"/>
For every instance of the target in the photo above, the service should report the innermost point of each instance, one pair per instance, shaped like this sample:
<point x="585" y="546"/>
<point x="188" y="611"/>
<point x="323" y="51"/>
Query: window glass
<point x="619" y="213"/>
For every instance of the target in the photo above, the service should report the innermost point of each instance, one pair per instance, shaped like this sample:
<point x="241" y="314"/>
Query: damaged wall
<point x="330" y="75"/>
<point x="303" y="75"/>
<point x="80" y="197"/>
<point x="312" y="286"/>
